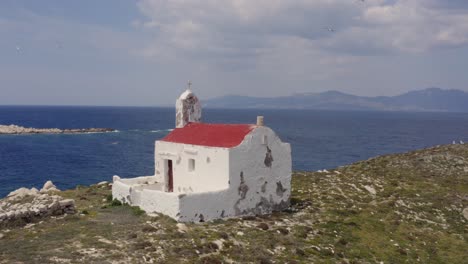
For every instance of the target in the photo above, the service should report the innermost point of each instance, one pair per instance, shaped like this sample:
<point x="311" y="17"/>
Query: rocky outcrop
<point x="25" y="205"/>
<point x="14" y="129"/>
<point x="49" y="187"/>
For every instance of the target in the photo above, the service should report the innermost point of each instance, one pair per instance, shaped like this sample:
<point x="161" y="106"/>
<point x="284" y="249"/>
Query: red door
<point x="170" y="177"/>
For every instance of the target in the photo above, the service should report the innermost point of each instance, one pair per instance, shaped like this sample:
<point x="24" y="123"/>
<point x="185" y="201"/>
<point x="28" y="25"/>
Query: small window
<point x="191" y="164"/>
<point x="264" y="140"/>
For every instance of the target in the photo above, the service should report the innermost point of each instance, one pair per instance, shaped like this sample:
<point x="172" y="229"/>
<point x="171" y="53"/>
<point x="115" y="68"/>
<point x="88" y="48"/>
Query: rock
<point x="54" y="206"/>
<point x="53" y="190"/>
<point x="224" y="235"/>
<point x="249" y="217"/>
<point x="149" y="229"/>
<point x="67" y="202"/>
<point x="465" y="213"/>
<point x="219" y="243"/>
<point x="283" y="231"/>
<point x="14" y="129"/>
<point x="263" y="226"/>
<point x="2" y="235"/>
<point x="21" y="192"/>
<point x="182" y="228"/>
<point x="41" y="205"/>
<point x="48" y="186"/>
<point x="370" y="189"/>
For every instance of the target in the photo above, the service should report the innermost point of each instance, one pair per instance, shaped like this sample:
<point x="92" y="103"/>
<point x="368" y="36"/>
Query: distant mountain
<point x="430" y="99"/>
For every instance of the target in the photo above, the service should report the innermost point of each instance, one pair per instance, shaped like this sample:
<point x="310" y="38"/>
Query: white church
<point x="209" y="171"/>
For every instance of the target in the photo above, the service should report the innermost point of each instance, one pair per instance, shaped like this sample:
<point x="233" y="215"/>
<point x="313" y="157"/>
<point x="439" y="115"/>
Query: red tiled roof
<point x="212" y="135"/>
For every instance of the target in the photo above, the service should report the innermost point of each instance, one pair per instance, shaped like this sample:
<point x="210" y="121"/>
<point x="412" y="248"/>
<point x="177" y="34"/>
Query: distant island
<point x="14" y="129"/>
<point x="430" y="99"/>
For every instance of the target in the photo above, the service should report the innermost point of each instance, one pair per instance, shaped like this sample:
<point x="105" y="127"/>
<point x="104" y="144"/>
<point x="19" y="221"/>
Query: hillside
<point x="431" y="99"/>
<point x="402" y="208"/>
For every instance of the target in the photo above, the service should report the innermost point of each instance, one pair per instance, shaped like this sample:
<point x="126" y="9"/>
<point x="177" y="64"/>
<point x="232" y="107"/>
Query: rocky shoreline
<point x="14" y="130"/>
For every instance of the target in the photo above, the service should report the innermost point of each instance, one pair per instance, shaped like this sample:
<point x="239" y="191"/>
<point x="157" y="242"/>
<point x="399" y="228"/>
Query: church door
<point x="170" y="177"/>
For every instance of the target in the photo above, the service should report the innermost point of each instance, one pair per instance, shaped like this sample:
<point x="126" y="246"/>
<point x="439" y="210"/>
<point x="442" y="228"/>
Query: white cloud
<point x="416" y="26"/>
<point x="282" y="43"/>
<point x="238" y="26"/>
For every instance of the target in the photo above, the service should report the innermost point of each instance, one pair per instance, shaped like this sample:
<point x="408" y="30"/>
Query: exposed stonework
<point x="268" y="158"/>
<point x="279" y="189"/>
<point x="28" y="204"/>
<point x="243" y="188"/>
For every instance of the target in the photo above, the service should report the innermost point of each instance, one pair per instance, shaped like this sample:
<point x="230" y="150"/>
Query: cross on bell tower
<point x="189" y="85"/>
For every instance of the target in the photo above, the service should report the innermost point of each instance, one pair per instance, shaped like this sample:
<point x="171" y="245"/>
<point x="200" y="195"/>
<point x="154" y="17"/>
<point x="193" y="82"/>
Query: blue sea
<point x="319" y="139"/>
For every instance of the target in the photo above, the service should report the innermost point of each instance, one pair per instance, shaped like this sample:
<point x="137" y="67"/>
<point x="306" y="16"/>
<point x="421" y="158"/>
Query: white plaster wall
<point x="265" y="188"/>
<point x="211" y="166"/>
<point x="253" y="196"/>
<point x="196" y="207"/>
<point x="146" y="197"/>
<point x="120" y="191"/>
<point x="161" y="202"/>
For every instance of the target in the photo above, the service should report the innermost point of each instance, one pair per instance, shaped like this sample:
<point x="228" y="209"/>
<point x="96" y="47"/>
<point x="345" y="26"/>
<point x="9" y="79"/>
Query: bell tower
<point x="188" y="108"/>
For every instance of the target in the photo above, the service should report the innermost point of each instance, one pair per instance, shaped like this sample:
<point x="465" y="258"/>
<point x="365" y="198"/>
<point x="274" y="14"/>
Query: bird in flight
<point x="330" y="29"/>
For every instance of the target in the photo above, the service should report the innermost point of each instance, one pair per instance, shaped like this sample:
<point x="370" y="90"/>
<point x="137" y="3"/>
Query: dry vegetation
<point x="404" y="208"/>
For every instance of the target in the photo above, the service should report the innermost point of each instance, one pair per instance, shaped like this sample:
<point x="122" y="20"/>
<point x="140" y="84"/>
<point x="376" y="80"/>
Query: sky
<point x="142" y="53"/>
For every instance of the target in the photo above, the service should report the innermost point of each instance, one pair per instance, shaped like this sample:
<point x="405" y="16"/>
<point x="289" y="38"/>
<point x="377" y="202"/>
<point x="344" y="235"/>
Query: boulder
<point x="182" y="228"/>
<point x="21" y="192"/>
<point x="370" y="189"/>
<point x="49" y="187"/>
<point x="465" y="213"/>
<point x="67" y="202"/>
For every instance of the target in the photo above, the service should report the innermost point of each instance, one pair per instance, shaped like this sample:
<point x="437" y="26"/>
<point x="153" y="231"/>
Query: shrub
<point x="137" y="211"/>
<point x="116" y="202"/>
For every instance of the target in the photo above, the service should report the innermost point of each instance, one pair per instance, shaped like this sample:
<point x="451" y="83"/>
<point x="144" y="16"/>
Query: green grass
<point x="415" y="217"/>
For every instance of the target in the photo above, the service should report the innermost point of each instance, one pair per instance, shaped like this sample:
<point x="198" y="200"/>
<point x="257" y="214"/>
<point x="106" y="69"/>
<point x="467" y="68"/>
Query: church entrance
<point x="170" y="176"/>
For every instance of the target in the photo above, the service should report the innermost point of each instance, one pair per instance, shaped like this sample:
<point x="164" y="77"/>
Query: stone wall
<point x="26" y="205"/>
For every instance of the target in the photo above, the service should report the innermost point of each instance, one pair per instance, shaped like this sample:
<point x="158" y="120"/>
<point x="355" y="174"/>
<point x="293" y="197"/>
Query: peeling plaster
<point x="188" y="109"/>
<point x="243" y="188"/>
<point x="268" y="158"/>
<point x="279" y="189"/>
